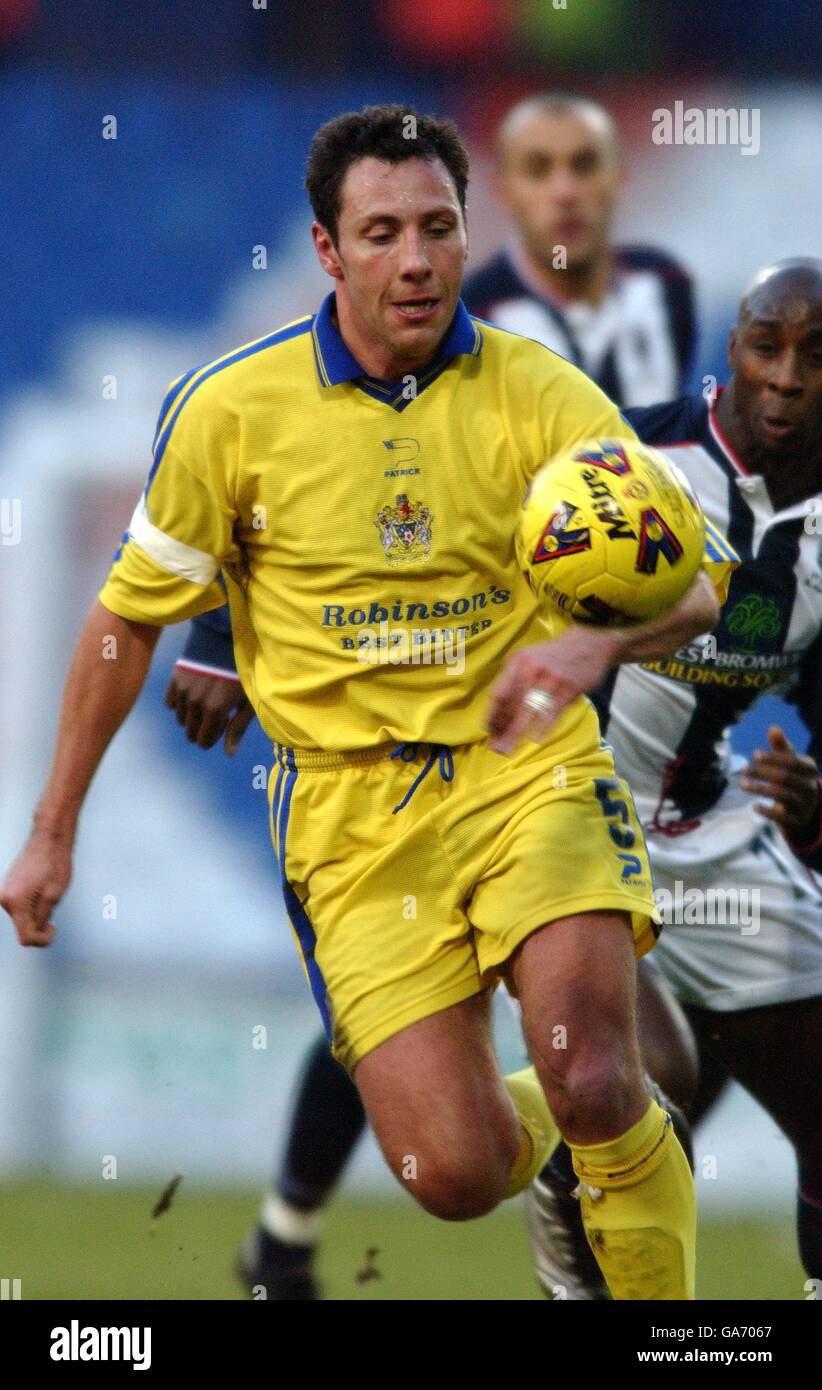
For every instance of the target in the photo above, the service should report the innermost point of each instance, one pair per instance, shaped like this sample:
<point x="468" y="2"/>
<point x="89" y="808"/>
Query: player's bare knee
<point x="462" y="1185"/>
<point x="595" y="1098"/>
<point x="455" y="1194"/>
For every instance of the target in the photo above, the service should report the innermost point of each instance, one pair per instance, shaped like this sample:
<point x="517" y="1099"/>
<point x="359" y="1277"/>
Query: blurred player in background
<point x="625" y="315"/>
<point x="750" y="981"/>
<point x="287" y="425"/>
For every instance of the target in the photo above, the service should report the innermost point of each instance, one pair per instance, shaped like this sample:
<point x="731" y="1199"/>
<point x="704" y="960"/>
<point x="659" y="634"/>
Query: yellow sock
<point x="639" y="1210"/>
<point x="539" y="1135"/>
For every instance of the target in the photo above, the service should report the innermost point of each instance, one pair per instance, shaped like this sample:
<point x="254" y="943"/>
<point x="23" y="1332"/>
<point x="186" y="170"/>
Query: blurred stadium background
<point x="125" y="261"/>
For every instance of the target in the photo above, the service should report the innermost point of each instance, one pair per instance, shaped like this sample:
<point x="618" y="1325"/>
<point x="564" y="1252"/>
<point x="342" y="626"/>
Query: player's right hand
<point x="208" y="707"/>
<point x="34" y="886"/>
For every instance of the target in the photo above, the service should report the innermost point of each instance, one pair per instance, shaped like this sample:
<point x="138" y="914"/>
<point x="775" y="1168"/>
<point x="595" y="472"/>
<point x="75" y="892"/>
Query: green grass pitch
<point x="67" y="1242"/>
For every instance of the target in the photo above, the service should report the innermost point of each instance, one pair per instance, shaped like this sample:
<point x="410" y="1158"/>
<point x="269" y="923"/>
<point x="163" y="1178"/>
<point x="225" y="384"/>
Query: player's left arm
<point x="789" y="780"/>
<point x="577" y="662"/>
<point x="178" y="540"/>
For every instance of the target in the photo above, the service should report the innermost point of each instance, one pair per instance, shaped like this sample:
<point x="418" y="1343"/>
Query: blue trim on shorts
<point x="275" y="805"/>
<point x="280" y="810"/>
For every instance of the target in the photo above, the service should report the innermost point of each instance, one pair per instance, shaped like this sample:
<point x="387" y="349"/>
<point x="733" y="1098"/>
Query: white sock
<point x="287" y="1223"/>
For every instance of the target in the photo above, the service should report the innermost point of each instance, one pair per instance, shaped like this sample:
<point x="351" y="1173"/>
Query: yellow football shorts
<point x="412" y="872"/>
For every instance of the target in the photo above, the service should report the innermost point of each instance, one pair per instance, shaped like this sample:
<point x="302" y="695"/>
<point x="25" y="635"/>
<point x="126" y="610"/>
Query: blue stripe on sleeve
<point x="182" y="396"/>
<point x="171" y="396"/>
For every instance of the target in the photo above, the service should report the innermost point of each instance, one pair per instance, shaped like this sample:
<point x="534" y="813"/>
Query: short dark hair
<point x="391" y="133"/>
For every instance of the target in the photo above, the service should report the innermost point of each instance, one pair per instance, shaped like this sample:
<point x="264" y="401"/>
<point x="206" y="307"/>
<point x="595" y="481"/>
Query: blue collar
<point x="336" y="363"/>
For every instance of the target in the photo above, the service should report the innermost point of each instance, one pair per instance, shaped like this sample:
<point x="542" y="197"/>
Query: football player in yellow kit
<point x="443" y="810"/>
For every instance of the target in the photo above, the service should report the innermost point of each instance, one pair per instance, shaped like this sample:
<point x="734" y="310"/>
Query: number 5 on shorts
<point x="615" y="808"/>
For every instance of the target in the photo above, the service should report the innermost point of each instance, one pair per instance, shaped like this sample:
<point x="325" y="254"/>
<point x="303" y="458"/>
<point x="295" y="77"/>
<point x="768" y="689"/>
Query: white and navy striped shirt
<point x="637" y="344"/>
<point x="669" y="721"/>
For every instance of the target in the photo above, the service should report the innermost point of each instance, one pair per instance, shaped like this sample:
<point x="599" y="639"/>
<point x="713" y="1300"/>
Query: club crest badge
<point x="405" y="530"/>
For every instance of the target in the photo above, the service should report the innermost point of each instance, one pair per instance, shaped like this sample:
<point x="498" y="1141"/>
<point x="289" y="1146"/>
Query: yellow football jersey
<point x="365" y="529"/>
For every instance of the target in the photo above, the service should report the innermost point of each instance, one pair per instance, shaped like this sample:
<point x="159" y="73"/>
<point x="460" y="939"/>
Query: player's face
<point x="776" y="356"/>
<point x="399" y="259"/>
<point x="558" y="180"/>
